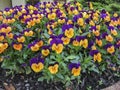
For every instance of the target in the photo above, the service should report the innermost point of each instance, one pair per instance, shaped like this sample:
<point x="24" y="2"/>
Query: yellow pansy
<point x="21" y="39"/>
<point x="76" y="71"/>
<point x="17" y="46"/>
<point x="45" y="52"/>
<point x="37" y="67"/>
<point x="51" y="16"/>
<point x="99" y="42"/>
<point x="58" y="48"/>
<point x="80" y="21"/>
<point x="35" y="47"/>
<point x="85" y="43"/>
<point x="53" y="69"/>
<point x="111" y="49"/>
<point x="75" y="43"/>
<point x="69" y="33"/>
<point x="109" y="38"/>
<point x="114" y="32"/>
<point x="97" y="57"/>
<point x="65" y="40"/>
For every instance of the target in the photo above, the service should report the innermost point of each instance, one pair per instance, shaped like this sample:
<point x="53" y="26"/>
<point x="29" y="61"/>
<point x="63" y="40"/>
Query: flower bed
<point x="59" y="42"/>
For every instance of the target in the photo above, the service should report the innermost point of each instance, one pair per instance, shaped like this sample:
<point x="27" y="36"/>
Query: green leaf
<point x="93" y="68"/>
<point x="73" y="77"/>
<point x="68" y="84"/>
<point x="87" y="60"/>
<point x="74" y="61"/>
<point x="19" y="27"/>
<point x="86" y="33"/>
<point x="20" y="61"/>
<point x="103" y="51"/>
<point x="46" y="35"/>
<point x="28" y="70"/>
<point x="71" y="57"/>
<point x="41" y="79"/>
<point x="60" y="76"/>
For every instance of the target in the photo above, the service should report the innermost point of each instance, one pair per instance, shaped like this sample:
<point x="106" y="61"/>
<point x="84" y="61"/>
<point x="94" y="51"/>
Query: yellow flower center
<point x="37" y="67"/>
<point x="76" y="71"/>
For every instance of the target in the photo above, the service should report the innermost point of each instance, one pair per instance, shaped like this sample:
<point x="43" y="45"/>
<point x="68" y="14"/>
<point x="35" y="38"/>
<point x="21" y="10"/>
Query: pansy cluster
<point x="47" y="33"/>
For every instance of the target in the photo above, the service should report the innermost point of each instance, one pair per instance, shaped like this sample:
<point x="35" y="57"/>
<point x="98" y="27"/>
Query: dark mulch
<point x="92" y="81"/>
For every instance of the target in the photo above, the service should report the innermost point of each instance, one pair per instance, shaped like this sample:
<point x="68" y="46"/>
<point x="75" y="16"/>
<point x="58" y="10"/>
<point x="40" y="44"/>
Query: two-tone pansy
<point x="3" y="47"/>
<point x="37" y="64"/>
<point x="19" y="38"/>
<point x="97" y="56"/>
<point x="83" y="41"/>
<point x="4" y="28"/>
<point x="51" y="16"/>
<point x="95" y="30"/>
<point x="53" y="68"/>
<point x="57" y="45"/>
<point x="68" y="30"/>
<point x="28" y="32"/>
<point x="108" y="37"/>
<point x="75" y="69"/>
<point x="112" y="30"/>
<point x="17" y="46"/>
<point x="2" y="36"/>
<point x="99" y="41"/>
<point x="45" y="50"/>
<point x="110" y="48"/>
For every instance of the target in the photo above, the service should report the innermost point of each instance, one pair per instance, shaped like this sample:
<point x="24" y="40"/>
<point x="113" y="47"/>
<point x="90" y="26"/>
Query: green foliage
<point x="52" y="60"/>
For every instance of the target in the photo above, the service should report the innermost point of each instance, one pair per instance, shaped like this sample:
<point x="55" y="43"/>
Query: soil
<point x="91" y="81"/>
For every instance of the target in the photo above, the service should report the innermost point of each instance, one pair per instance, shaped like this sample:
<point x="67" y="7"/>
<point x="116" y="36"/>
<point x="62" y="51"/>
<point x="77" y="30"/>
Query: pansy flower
<point x="108" y="37"/>
<point x="57" y="45"/>
<point x="9" y="20"/>
<point x="114" y="21"/>
<point x="10" y="35"/>
<point x="17" y="46"/>
<point x="68" y="30"/>
<point x="30" y="22"/>
<point x="45" y="51"/>
<point x="110" y="48"/>
<point x="95" y="31"/>
<point x="53" y="68"/>
<point x="61" y="20"/>
<point x="80" y="21"/>
<point x="19" y="38"/>
<point x="7" y="11"/>
<point x="104" y="15"/>
<point x="51" y="16"/>
<point x="76" y="17"/>
<point x="75" y="68"/>
<point x="95" y="16"/>
<point x="75" y="42"/>
<point x="37" y="64"/>
<point x="40" y="43"/>
<point x="69" y="22"/>
<point x="65" y="40"/>
<point x="28" y="32"/>
<point x="118" y="43"/>
<point x="3" y="47"/>
<point x="96" y="55"/>
<point x="98" y="41"/>
<point x="83" y="41"/>
<point x="4" y="28"/>
<point x="34" y="46"/>
<point x="2" y="36"/>
<point x="112" y="30"/>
